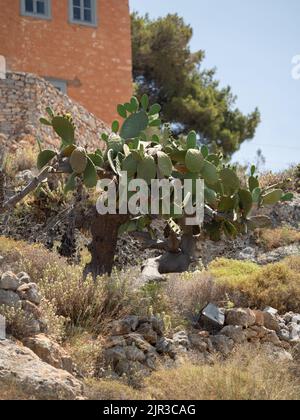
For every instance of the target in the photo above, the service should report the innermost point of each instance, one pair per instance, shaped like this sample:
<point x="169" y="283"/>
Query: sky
<point x="252" y="44"/>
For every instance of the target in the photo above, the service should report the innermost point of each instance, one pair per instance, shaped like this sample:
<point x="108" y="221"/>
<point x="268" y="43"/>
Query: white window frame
<point x="93" y="23"/>
<point x="48" y="11"/>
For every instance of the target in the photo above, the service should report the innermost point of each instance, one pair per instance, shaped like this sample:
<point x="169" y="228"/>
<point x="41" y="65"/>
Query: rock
<point x="9" y="298"/>
<point x="24" y="277"/>
<point x="128" y="368"/>
<point x="50" y="352"/>
<point x="115" y="340"/>
<point x="294" y="330"/>
<point x="133" y="321"/>
<point x="288" y="317"/>
<point x="222" y="344"/>
<point x="140" y="342"/>
<point x="247" y="254"/>
<point x="260" y="331"/>
<point x="148" y="333"/>
<point x="276" y="353"/>
<point x="31" y="327"/>
<point x="157" y="325"/>
<point x="241" y="317"/>
<point x="198" y="343"/>
<point x="115" y="354"/>
<point x="284" y="335"/>
<point x="296" y="319"/>
<point x="181" y="339"/>
<point x="273" y="338"/>
<point x="31" y="309"/>
<point x="271" y="322"/>
<point x="271" y="310"/>
<point x="37" y="379"/>
<point x="124" y="326"/>
<point x="212" y="317"/>
<point x="29" y="292"/>
<point x="134" y="354"/>
<point x="166" y="346"/>
<point x="259" y="318"/>
<point x="9" y="281"/>
<point x="235" y="332"/>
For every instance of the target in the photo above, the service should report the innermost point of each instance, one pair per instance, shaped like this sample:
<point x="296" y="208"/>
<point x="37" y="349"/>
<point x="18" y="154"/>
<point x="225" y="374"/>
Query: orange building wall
<point x="96" y="62"/>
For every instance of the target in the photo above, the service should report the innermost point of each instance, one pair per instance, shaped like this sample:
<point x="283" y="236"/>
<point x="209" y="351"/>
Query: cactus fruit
<point x="78" y="160"/>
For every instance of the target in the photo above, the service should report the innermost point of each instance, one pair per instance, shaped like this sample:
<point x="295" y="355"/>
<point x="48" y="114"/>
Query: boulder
<point x="271" y="322"/>
<point x="235" y="332"/>
<point x="50" y="352"/>
<point x="294" y="330"/>
<point x="296" y="319"/>
<point x="222" y="344"/>
<point x="20" y="366"/>
<point x="148" y="333"/>
<point x="24" y="277"/>
<point x="9" y="281"/>
<point x="166" y="346"/>
<point x="198" y="343"/>
<point x="181" y="339"/>
<point x="9" y="298"/>
<point x="212" y="317"/>
<point x="134" y="354"/>
<point x="124" y="326"/>
<point x="115" y="354"/>
<point x="31" y="309"/>
<point x="115" y="340"/>
<point x="29" y="292"/>
<point x="140" y="342"/>
<point x="259" y="318"/>
<point x="241" y="317"/>
<point x="157" y="325"/>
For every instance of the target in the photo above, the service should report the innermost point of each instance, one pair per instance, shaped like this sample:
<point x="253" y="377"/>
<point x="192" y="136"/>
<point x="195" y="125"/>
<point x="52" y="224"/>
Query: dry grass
<point x="84" y="349"/>
<point x="271" y="239"/>
<point x="21" y="160"/>
<point x="248" y="375"/>
<point x="285" y="179"/>
<point x="248" y="284"/>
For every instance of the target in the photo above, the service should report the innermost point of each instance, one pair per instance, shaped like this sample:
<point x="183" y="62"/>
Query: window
<point x="36" y="8"/>
<point x="60" y="85"/>
<point x="83" y="12"/>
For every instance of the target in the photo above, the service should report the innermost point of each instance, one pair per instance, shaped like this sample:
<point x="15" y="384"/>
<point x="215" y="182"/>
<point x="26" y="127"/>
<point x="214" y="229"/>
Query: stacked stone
<point x="23" y="100"/>
<point x="140" y="345"/>
<point x="18" y="292"/>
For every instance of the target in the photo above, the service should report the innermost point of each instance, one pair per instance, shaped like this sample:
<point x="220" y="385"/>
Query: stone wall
<point x="23" y="99"/>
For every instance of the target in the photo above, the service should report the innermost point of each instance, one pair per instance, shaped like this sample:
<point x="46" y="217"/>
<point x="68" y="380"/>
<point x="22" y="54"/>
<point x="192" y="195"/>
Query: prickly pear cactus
<point x="147" y="149"/>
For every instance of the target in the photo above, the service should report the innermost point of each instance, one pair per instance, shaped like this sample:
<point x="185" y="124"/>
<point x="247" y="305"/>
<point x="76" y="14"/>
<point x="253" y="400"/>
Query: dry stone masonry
<point x="141" y="344"/>
<point x="18" y="292"/>
<point x="23" y="100"/>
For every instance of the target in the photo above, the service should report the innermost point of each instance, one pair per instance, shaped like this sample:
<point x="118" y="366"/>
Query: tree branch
<point x="13" y="201"/>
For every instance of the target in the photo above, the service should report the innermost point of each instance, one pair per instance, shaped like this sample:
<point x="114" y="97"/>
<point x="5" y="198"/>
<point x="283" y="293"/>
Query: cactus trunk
<point x="104" y="231"/>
